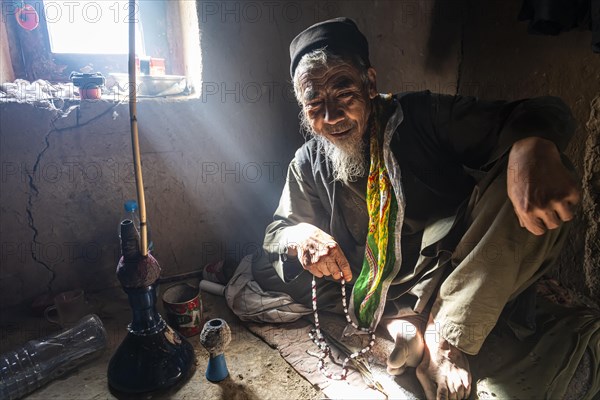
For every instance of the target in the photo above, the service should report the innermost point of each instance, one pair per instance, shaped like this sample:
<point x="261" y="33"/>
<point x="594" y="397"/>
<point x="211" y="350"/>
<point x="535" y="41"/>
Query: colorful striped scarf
<point x="382" y="207"/>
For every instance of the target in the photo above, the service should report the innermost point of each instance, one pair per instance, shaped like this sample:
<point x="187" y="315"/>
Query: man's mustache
<point x="341" y="126"/>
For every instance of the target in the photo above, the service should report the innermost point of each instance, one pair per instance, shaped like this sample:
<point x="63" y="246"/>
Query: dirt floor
<point x="256" y="371"/>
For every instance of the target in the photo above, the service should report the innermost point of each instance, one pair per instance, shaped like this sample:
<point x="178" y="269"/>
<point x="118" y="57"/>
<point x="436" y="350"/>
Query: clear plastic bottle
<point x="131" y="213"/>
<point x="41" y="360"/>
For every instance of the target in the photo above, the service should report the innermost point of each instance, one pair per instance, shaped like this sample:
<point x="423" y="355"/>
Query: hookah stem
<point x="135" y="141"/>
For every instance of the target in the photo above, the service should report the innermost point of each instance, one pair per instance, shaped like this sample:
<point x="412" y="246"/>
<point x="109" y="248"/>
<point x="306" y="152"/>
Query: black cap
<point x="339" y="35"/>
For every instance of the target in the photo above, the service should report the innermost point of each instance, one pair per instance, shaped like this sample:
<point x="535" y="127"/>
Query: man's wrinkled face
<point x="337" y="102"/>
<point x="336" y="106"/>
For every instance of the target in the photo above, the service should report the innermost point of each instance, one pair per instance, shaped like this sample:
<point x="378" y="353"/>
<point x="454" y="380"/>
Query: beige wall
<point x="214" y="166"/>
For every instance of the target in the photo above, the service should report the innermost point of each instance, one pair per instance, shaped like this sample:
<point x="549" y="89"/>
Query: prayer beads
<point x="317" y="337"/>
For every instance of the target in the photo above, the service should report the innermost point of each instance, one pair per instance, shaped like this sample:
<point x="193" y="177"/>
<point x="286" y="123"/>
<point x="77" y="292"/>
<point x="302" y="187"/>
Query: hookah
<point x="152" y="356"/>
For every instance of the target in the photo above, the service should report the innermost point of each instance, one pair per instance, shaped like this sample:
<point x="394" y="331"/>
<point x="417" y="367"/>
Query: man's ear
<point x="372" y="82"/>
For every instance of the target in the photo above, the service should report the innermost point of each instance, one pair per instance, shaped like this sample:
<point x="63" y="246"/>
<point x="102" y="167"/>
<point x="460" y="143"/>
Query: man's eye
<point x="345" y="96"/>
<point x="314" y="105"/>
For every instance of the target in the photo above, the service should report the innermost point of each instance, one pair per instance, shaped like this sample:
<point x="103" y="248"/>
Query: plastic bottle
<point x="42" y="360"/>
<point x="131" y="213"/>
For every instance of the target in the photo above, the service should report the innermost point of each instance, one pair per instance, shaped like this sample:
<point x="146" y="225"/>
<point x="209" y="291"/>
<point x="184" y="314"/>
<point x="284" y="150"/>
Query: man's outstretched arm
<point x="297" y="239"/>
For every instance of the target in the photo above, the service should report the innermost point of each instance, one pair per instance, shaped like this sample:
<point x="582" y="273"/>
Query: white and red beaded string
<point x="317" y="337"/>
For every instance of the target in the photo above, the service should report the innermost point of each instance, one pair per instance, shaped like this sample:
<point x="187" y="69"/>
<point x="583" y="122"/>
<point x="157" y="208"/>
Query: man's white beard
<point x="347" y="157"/>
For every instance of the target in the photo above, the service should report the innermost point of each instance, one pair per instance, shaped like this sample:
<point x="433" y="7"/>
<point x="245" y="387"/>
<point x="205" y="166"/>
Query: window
<point x="91" y="27"/>
<point x="93" y="36"/>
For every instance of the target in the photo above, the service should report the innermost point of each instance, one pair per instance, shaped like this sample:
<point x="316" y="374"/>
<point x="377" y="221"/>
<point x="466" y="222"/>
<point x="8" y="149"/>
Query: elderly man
<point x="433" y="208"/>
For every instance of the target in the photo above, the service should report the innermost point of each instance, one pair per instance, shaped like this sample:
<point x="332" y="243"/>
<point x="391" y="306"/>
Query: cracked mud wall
<point x="65" y="178"/>
<point x="591" y="199"/>
<point x="16" y="235"/>
<point x="56" y="196"/>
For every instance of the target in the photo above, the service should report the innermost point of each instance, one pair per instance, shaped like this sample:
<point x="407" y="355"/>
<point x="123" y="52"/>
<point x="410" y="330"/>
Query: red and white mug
<point x="183" y="306"/>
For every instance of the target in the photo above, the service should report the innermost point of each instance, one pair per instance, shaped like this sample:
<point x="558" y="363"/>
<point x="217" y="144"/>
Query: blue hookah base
<point x="217" y="368"/>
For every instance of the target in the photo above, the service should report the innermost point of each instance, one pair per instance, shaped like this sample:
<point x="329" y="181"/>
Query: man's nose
<point x="333" y="113"/>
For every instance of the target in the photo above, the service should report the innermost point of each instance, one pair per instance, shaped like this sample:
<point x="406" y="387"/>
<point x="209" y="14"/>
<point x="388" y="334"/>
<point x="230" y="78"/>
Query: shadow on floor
<point x="232" y="390"/>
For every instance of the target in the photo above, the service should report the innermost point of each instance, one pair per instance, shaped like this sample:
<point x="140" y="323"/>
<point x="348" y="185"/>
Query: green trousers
<point x="495" y="261"/>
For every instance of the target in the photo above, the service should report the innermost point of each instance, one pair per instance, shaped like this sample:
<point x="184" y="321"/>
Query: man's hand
<point x="318" y="252"/>
<point x="542" y="190"/>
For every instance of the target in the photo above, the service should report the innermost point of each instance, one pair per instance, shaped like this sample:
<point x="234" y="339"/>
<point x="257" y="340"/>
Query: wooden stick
<point x="180" y="277"/>
<point x="135" y="140"/>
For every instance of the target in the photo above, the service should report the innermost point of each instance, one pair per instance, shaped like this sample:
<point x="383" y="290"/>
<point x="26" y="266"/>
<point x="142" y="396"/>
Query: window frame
<point x="32" y="58"/>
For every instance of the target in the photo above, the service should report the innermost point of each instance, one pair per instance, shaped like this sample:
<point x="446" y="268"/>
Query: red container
<point x="157" y="66"/>
<point x="91" y="94"/>
<point x="89" y="84"/>
<point x="183" y="307"/>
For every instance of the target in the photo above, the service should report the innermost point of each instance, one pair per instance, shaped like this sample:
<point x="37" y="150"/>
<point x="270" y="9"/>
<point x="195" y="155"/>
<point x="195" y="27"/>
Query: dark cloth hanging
<point x="595" y="13"/>
<point x="551" y="17"/>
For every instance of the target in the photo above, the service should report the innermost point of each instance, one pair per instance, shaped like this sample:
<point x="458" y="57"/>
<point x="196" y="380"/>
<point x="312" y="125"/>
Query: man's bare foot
<point x="444" y="372"/>
<point x="408" y="343"/>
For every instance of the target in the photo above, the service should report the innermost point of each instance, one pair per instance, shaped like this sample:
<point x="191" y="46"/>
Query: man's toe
<point x="396" y="371"/>
<point x="424" y="379"/>
<point x="458" y="384"/>
<point x="399" y="355"/>
<point x="442" y="392"/>
<point x="466" y="382"/>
